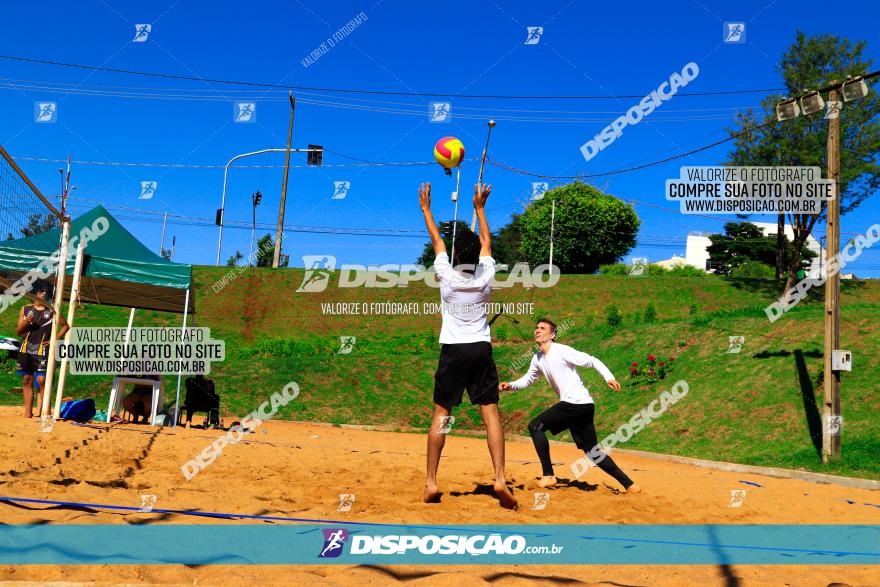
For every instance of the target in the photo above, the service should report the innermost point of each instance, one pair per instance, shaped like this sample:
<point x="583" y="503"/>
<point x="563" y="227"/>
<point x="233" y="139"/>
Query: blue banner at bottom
<point x="360" y="543"/>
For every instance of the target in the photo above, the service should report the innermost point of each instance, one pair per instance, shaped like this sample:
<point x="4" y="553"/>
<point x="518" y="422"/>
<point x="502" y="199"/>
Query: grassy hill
<point x="756" y="407"/>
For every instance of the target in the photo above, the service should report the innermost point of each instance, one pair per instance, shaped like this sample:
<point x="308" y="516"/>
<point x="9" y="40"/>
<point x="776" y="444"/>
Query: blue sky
<point x="599" y="49"/>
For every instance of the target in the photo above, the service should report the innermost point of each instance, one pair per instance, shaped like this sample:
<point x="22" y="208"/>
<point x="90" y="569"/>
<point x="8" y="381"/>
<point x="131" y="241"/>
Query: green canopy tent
<point x="117" y="269"/>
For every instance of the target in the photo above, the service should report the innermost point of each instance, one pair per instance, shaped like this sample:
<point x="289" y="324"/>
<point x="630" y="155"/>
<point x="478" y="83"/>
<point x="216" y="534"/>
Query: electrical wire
<point x="358" y="91"/>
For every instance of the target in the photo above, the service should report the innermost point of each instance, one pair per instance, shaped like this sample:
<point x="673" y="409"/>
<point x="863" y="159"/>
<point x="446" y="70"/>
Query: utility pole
<point x="552" y="222"/>
<point x="276" y="258"/>
<point x="831" y="378"/>
<point x="162" y="246"/>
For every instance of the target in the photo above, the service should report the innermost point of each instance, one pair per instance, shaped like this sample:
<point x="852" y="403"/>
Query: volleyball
<point x="449" y="152"/>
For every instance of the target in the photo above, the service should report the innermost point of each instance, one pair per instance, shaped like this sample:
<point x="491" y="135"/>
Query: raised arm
<point x="481" y="194"/>
<point x="529" y="378"/>
<point x="576" y="357"/>
<point x="433" y="232"/>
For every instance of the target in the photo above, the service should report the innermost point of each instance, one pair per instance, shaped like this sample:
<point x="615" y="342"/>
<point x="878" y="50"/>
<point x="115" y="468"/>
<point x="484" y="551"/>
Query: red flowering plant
<point x="652" y="371"/>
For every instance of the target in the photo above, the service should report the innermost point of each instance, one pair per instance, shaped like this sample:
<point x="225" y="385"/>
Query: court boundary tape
<point x="446" y="528"/>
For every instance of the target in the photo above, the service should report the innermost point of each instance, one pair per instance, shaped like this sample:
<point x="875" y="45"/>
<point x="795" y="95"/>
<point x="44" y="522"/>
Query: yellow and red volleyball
<point x="449" y="152"/>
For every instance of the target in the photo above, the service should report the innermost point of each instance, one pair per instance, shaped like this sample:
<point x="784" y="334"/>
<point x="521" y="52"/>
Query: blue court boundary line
<point x="445" y="528"/>
<point x="252" y="516"/>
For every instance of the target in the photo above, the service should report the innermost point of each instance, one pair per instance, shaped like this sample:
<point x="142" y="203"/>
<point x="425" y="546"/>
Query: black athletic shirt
<point x="37" y="336"/>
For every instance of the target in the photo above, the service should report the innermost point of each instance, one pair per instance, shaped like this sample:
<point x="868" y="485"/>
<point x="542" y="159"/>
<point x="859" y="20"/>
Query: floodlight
<point x="812" y="103"/>
<point x="787" y="109"/>
<point x="854" y="89"/>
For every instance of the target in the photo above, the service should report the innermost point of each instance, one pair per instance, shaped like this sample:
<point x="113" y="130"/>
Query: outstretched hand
<point x="481" y="194"/>
<point x="504" y="386"/>
<point x="425" y="196"/>
<point x="613" y="384"/>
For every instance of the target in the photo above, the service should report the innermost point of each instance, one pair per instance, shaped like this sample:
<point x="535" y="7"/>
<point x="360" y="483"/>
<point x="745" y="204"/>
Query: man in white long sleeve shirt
<point x="575" y="410"/>
<point x="466" y="346"/>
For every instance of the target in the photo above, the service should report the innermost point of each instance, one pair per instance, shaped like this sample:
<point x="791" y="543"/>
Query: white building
<point x="697" y="255"/>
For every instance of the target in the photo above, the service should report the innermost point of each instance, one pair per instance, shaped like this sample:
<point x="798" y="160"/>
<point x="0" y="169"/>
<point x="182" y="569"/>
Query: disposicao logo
<point x="334" y="540"/>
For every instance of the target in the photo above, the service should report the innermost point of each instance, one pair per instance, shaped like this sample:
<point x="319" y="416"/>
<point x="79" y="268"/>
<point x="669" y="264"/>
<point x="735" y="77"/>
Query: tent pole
<point x="59" y="297"/>
<point x="180" y="372"/>
<point x="130" y="321"/>
<point x="71" y="311"/>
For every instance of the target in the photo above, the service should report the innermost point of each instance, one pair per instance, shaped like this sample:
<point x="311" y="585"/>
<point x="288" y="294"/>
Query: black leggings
<point x="578" y="418"/>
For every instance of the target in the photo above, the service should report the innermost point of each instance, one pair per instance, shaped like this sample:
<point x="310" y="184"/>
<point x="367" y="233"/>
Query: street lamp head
<point x="812" y="103"/>
<point x="491" y="124"/>
<point x="787" y="109"/>
<point x="854" y="89"/>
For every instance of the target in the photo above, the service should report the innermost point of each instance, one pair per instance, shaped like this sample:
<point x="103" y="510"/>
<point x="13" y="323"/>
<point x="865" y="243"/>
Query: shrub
<point x="615" y="269"/>
<point x="686" y="271"/>
<point x="650" y="314"/>
<point x="613" y="317"/>
<point x="753" y="270"/>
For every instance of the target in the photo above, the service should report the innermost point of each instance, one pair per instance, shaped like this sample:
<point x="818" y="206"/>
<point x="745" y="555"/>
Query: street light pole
<point x="226" y="183"/>
<point x="482" y="165"/>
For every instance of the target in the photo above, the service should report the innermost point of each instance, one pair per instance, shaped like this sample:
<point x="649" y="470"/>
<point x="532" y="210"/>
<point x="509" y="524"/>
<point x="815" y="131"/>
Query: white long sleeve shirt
<point x="559" y="367"/>
<point x="464" y="300"/>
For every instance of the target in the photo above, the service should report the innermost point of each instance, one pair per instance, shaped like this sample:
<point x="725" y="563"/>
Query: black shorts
<point x="30" y="364"/>
<point x="466" y="366"/>
<point x="578" y="418"/>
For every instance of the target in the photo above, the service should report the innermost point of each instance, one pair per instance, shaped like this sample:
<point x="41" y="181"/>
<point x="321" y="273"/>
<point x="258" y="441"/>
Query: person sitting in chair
<point x="201" y="397"/>
<point x="139" y="402"/>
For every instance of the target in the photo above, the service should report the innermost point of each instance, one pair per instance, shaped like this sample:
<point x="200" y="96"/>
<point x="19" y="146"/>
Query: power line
<point x="360" y="91"/>
<point x="637" y="167"/>
<point x="215" y="166"/>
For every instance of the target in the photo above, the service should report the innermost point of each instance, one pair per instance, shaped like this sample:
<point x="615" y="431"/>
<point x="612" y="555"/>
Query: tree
<point x="233" y="260"/>
<point x="506" y="243"/>
<point x="591" y="229"/>
<point x="744" y="242"/>
<point x="426" y="259"/>
<point x="39" y="223"/>
<point x="266" y="252"/>
<point x="814" y="62"/>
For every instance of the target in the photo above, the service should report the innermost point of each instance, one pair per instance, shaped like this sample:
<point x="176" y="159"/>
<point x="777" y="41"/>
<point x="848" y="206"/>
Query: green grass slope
<point x="761" y="406"/>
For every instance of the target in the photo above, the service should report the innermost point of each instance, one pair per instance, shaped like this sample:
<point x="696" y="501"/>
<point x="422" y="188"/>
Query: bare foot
<point x="546" y="481"/>
<point x="505" y="496"/>
<point x="634" y="488"/>
<point x="432" y="494"/>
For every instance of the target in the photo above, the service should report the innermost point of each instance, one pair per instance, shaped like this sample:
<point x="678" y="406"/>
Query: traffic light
<point x="258" y="197"/>
<point x="218" y="219"/>
<point x="446" y="227"/>
<point x="315" y="156"/>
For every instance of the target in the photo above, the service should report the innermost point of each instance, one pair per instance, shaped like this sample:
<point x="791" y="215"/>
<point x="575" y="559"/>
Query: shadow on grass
<point x="808" y="392"/>
<point x="772" y="289"/>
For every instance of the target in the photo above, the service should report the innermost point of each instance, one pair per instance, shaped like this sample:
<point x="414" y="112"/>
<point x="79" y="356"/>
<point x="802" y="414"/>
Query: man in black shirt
<point x="35" y="328"/>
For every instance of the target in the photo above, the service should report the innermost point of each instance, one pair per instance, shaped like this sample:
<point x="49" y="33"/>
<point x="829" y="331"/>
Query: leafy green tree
<point x="814" y="62"/>
<point x="426" y="259"/>
<point x="591" y="229"/>
<point x="506" y="242"/>
<point x="38" y="224"/>
<point x="266" y="252"/>
<point x="231" y="261"/>
<point x="744" y="242"/>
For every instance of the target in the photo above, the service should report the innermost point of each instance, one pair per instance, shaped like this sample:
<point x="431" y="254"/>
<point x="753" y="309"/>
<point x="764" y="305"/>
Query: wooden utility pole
<point x="276" y="258"/>
<point x="831" y="378"/>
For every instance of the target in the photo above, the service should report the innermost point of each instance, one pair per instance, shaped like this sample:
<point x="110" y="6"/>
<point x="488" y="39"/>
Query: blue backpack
<point x="81" y="410"/>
